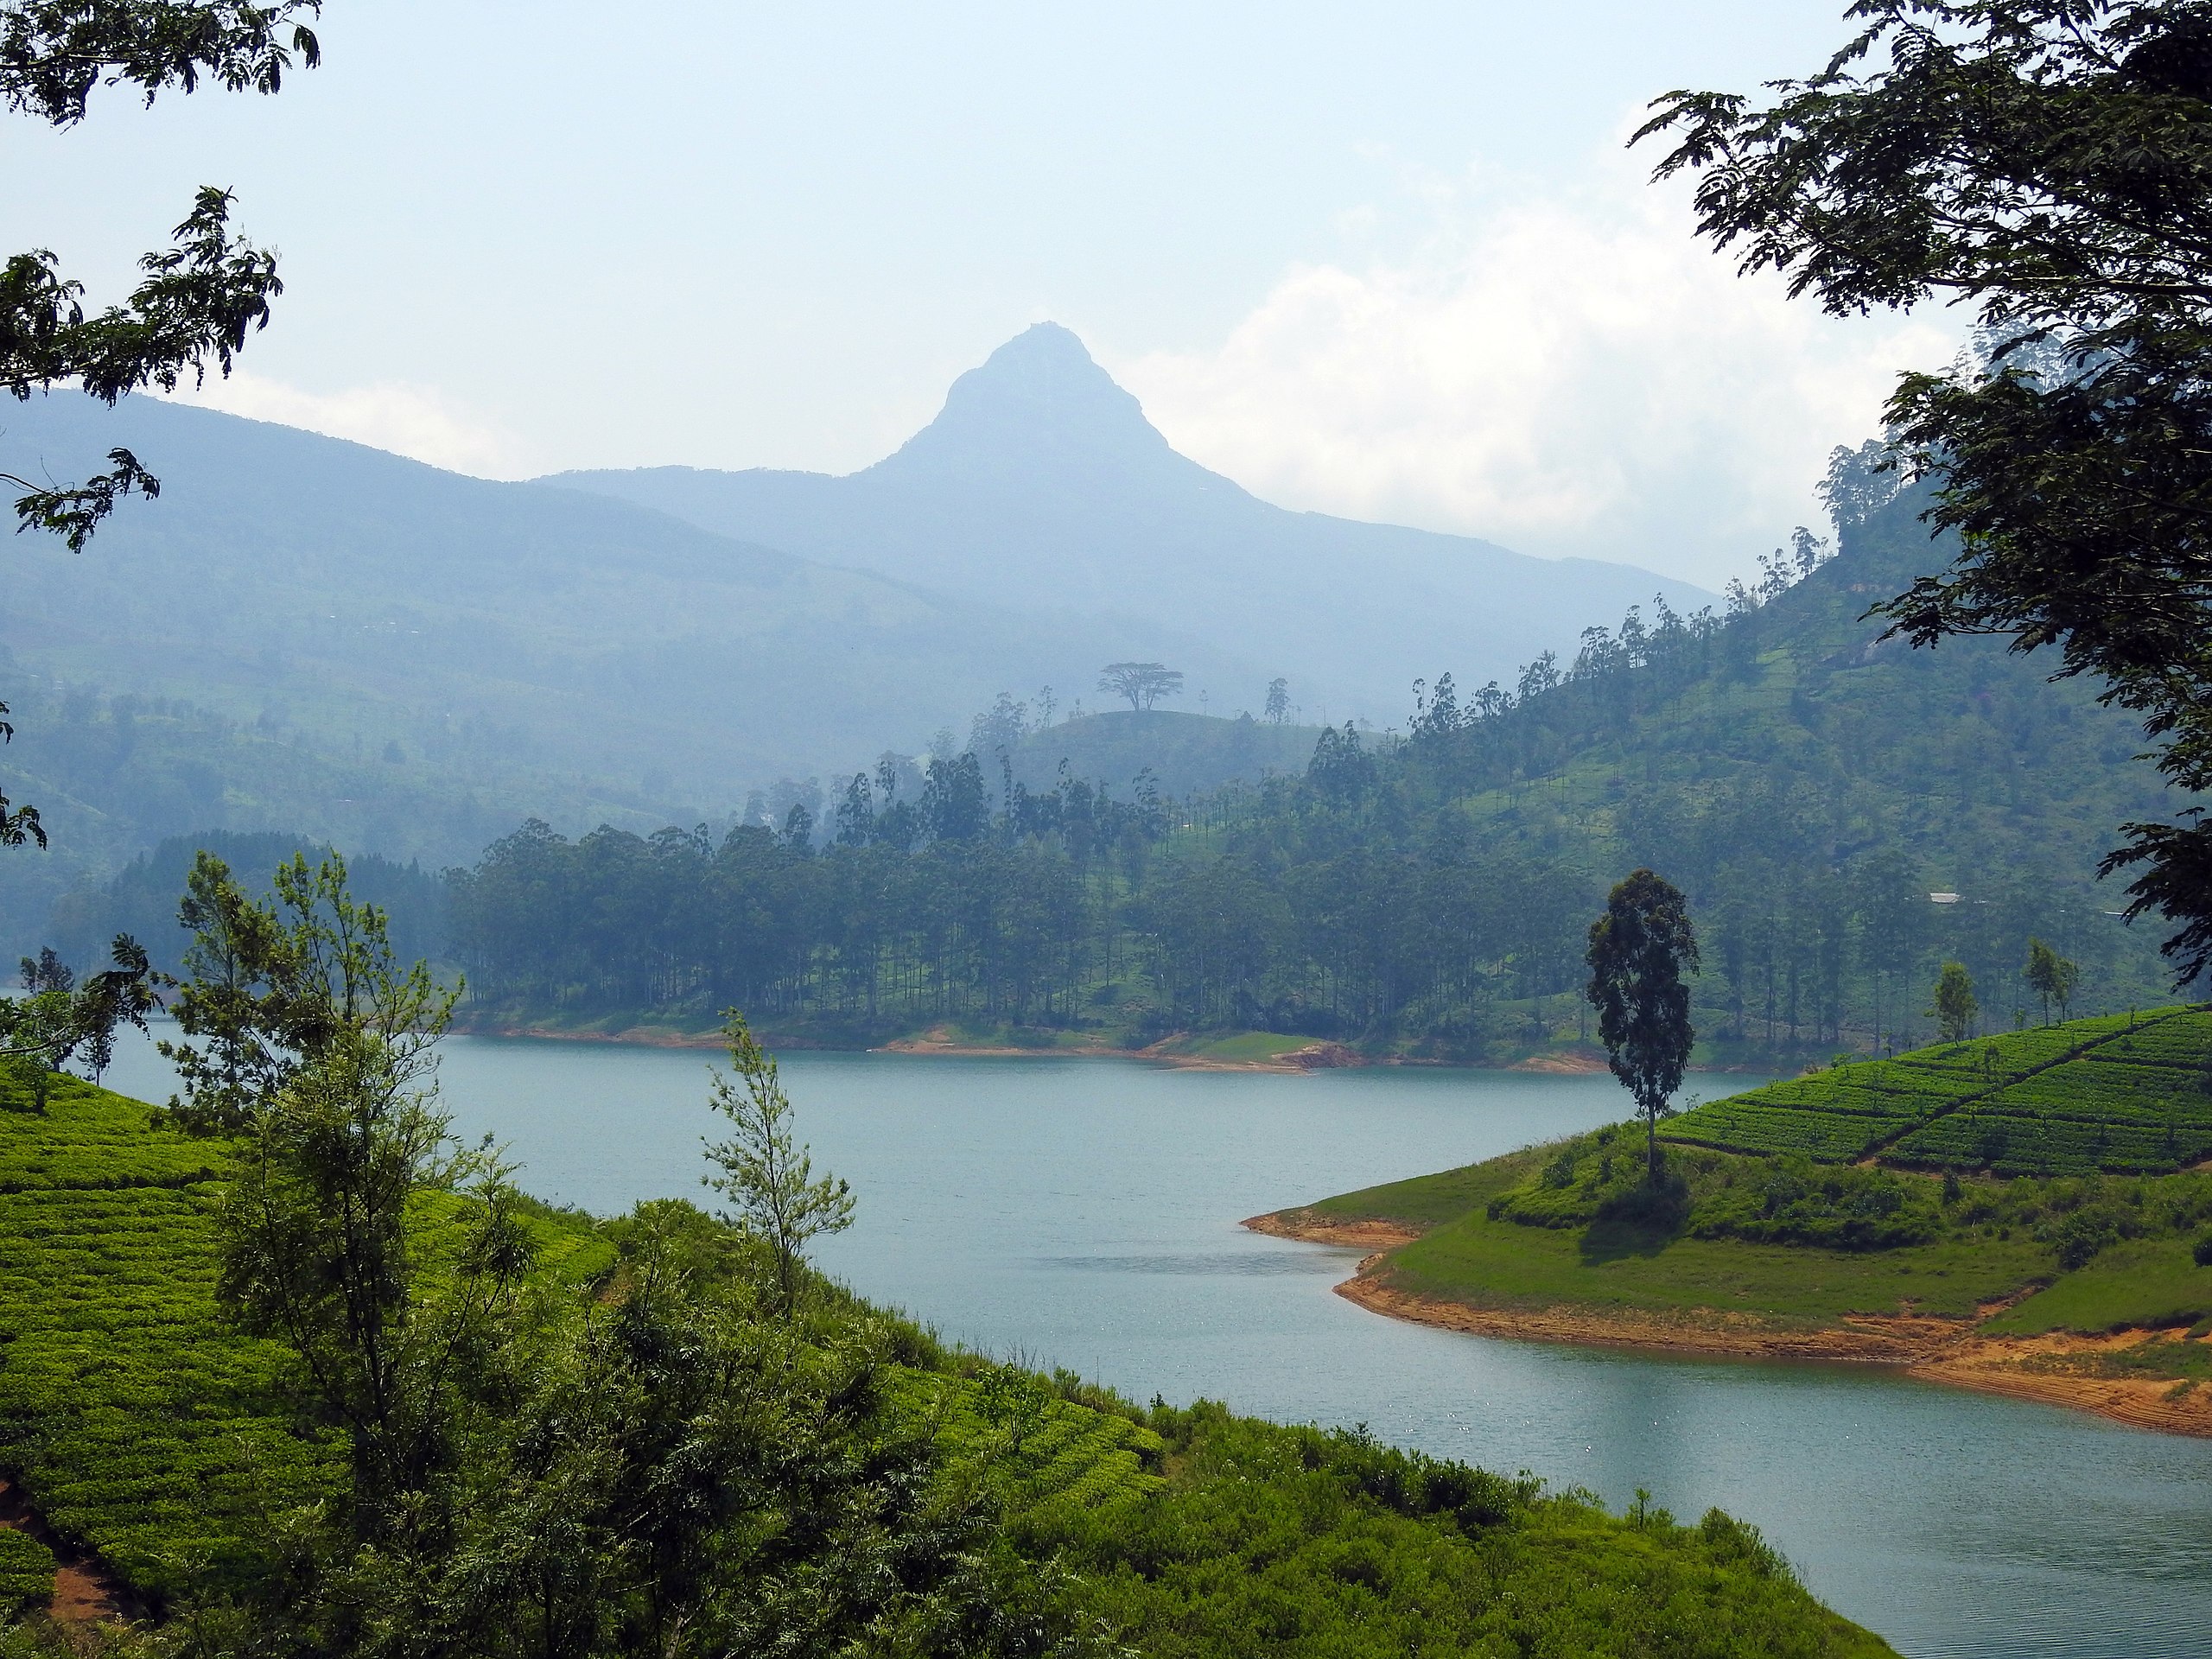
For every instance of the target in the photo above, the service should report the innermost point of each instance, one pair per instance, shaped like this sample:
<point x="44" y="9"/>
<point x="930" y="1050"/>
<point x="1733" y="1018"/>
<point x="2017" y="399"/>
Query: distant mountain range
<point x="1041" y="486"/>
<point x="594" y="657"/>
<point x="306" y="635"/>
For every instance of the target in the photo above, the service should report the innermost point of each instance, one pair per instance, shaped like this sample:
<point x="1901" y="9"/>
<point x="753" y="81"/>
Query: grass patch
<point x="1500" y="1264"/>
<point x="1428" y="1200"/>
<point x="2143" y="1283"/>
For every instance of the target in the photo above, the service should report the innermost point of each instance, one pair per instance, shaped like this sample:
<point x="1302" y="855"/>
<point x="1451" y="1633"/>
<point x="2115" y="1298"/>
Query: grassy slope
<point x="1464" y="1256"/>
<point x="2118" y="1084"/>
<point x="139" y="1425"/>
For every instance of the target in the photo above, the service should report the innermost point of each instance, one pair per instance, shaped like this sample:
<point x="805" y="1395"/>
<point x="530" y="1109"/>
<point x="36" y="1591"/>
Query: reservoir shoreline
<point x="1315" y="1055"/>
<point x="1312" y="1057"/>
<point x="1934" y="1349"/>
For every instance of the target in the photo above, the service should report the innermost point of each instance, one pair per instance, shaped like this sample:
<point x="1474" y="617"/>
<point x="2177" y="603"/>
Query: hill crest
<point x="1041" y="485"/>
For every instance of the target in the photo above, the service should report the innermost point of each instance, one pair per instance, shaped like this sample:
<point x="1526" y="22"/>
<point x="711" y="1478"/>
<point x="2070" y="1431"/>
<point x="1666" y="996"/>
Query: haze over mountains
<point x="1042" y="486"/>
<point x="595" y="654"/>
<point x="408" y="661"/>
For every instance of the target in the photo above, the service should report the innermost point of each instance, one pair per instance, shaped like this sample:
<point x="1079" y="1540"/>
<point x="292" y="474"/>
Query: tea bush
<point x="26" y="1572"/>
<point x="1276" y="1541"/>
<point x="141" y="1424"/>
<point x="2119" y="1094"/>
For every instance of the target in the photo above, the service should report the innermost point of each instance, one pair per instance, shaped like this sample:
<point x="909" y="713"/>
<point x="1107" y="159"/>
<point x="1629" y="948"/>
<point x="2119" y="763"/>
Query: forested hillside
<point x="1186" y="754"/>
<point x="560" y="650"/>
<point x="113" y="775"/>
<point x="1809" y="786"/>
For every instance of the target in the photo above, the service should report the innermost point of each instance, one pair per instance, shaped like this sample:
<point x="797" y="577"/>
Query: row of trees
<point x="1808" y="789"/>
<point x="1309" y="906"/>
<point x="1426" y="890"/>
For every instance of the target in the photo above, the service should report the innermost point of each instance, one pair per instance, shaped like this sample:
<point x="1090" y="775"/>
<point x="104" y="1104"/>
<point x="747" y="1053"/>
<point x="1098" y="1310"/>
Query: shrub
<point x="1838" y="1206"/>
<point x="2201" y="1250"/>
<point x="26" y="1572"/>
<point x="2085" y="1233"/>
<point x="1738" y="1543"/>
<point x="1656" y="1205"/>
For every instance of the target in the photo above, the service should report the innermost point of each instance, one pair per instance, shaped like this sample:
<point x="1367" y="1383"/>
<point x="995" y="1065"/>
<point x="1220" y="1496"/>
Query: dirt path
<point x="2058" y="1369"/>
<point x="84" y="1592"/>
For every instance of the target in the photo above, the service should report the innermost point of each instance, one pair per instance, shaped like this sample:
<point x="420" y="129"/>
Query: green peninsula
<point x="2030" y="1213"/>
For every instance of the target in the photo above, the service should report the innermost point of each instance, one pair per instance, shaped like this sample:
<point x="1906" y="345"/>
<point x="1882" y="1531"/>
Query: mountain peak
<point x="1039" y="401"/>
<point x="1042" y="350"/>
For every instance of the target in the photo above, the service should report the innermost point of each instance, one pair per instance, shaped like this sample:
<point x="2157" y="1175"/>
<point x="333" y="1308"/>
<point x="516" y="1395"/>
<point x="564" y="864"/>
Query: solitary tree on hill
<point x="2052" y="977"/>
<point x="1142" y="684"/>
<point x="1278" y="705"/>
<point x="1639" y="949"/>
<point x="1955" y="1007"/>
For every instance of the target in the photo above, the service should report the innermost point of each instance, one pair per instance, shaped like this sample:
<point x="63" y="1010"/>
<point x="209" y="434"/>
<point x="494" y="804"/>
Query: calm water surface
<point x="1083" y="1213"/>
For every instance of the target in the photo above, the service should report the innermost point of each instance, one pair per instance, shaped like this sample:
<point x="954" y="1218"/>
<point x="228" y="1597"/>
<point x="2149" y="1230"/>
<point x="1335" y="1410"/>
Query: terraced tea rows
<point x="133" y="1417"/>
<point x="1051" y="1451"/>
<point x="26" y="1572"/>
<point x="139" y="1424"/>
<point x="2128" y="1094"/>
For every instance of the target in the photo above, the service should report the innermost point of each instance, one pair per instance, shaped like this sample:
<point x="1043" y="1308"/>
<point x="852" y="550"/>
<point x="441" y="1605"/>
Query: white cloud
<point x="1565" y="377"/>
<point x="419" y="422"/>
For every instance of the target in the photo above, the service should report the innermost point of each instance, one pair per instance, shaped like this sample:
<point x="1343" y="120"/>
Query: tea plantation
<point x="133" y="1419"/>
<point x="139" y="1425"/>
<point x="2127" y="1094"/>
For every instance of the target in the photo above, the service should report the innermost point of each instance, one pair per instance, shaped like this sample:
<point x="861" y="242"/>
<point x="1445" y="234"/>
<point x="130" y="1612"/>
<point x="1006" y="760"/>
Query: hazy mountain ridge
<point x="400" y="658"/>
<point x="542" y="638"/>
<point x="1042" y="484"/>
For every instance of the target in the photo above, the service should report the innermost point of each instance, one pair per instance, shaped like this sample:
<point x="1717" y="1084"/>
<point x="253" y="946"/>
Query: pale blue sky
<point x="1318" y="240"/>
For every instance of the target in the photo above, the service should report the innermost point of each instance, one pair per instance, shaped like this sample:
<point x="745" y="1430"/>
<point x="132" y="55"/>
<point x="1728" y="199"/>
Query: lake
<point x="1083" y="1212"/>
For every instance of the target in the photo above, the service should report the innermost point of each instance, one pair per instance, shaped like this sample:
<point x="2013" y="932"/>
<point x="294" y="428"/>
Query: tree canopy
<point x="205" y="292"/>
<point x="1639" y="950"/>
<point x="200" y="296"/>
<point x="2048" y="162"/>
<point x="1142" y="684"/>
